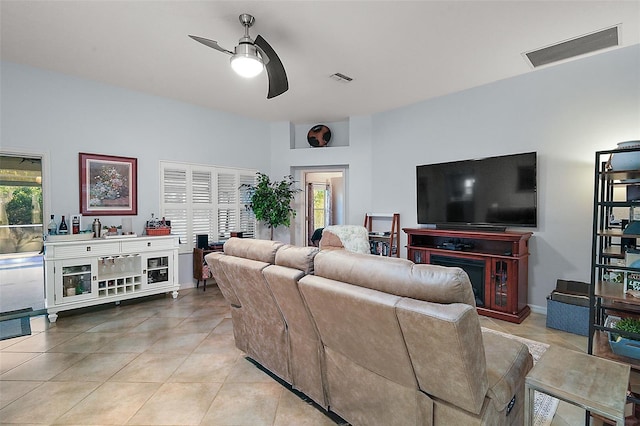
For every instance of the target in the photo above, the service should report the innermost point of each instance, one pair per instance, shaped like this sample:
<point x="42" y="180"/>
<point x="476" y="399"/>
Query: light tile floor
<point x="21" y="282"/>
<point x="168" y="362"/>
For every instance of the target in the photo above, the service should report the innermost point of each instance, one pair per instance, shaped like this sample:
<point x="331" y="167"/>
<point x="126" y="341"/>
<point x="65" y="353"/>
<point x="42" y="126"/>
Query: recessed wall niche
<point x="339" y="134"/>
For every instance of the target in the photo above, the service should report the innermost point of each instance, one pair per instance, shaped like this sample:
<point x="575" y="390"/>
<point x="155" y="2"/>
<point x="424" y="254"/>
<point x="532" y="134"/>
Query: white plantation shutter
<point x="205" y="200"/>
<point x="202" y="221"/>
<point x="174" y="186"/>
<point x="201" y="184"/>
<point x="233" y="202"/>
<point x="226" y="222"/>
<point x="228" y="189"/>
<point x="247" y="218"/>
<point x="174" y="199"/>
<point x="202" y="205"/>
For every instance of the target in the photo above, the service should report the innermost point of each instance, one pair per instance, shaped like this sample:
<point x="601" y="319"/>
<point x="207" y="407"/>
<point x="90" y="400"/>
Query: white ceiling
<point x="397" y="52"/>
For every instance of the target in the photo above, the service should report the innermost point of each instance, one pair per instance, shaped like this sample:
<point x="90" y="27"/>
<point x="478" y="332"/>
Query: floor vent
<point x="578" y="46"/>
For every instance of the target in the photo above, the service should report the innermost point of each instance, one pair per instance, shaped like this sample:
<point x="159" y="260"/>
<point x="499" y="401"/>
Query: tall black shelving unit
<point x="615" y="238"/>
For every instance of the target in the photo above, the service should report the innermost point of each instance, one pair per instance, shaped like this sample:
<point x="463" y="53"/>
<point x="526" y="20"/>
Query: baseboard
<point x="190" y="284"/>
<point x="538" y="309"/>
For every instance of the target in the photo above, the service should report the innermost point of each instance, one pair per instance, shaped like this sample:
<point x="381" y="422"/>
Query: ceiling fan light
<point x="245" y="62"/>
<point x="246" y="66"/>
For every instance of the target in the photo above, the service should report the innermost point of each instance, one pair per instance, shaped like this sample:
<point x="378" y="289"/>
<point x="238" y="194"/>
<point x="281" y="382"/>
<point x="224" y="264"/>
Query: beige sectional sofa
<point x="378" y="341"/>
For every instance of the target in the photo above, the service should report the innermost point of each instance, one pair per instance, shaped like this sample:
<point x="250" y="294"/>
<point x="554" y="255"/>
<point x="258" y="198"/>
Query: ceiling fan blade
<point x="211" y="43"/>
<point x="278" y="82"/>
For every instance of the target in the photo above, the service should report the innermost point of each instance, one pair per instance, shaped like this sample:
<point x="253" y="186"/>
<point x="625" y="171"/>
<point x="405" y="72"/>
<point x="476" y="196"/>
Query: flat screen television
<point x="494" y="192"/>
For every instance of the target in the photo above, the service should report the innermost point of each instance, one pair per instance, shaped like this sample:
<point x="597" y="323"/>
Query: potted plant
<point x="630" y="325"/>
<point x="112" y="229"/>
<point x="271" y="201"/>
<point x="629" y="344"/>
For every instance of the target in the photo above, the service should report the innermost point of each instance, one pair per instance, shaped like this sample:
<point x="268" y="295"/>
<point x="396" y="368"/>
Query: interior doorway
<point x="325" y="199"/>
<point x="22" y="216"/>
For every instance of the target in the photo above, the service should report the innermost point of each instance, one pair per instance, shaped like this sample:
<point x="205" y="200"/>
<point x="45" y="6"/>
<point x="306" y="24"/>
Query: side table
<point x="596" y="384"/>
<point x="199" y="270"/>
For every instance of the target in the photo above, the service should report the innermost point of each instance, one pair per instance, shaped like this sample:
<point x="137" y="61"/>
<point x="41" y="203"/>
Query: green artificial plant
<point x="630" y="325"/>
<point x="271" y="201"/>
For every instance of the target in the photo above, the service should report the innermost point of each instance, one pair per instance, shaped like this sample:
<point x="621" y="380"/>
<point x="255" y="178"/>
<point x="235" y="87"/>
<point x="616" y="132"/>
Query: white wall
<point x="63" y="115"/>
<point x="564" y="112"/>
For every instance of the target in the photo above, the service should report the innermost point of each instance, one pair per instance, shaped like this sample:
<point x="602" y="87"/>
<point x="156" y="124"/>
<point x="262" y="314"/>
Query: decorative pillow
<point x="206" y="273"/>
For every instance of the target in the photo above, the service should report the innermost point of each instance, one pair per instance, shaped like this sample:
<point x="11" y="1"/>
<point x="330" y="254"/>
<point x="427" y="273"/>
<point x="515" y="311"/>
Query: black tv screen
<point x="495" y="191"/>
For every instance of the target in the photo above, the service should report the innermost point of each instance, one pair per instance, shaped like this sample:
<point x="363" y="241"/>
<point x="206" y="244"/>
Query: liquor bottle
<point x="75" y="225"/>
<point x="62" y="229"/>
<point x="53" y="226"/>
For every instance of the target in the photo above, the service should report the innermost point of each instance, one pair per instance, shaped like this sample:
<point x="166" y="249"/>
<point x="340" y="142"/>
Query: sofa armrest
<point x="508" y="362"/>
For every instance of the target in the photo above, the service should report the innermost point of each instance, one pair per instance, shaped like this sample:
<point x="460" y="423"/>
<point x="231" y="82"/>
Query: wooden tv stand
<point x="496" y="262"/>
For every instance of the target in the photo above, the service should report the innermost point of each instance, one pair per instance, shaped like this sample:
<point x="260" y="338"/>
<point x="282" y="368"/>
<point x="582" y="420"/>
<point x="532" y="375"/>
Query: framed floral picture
<point x="108" y="185"/>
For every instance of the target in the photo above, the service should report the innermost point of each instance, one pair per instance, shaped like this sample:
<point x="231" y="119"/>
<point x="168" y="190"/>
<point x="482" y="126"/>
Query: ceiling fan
<point x="250" y="57"/>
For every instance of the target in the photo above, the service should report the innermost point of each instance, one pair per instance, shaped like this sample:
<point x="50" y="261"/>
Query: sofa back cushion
<point x="361" y="325"/>
<point x="300" y="258"/>
<point x="446" y="348"/>
<point x="292" y="263"/>
<point x="249" y="248"/>
<point x="400" y="277"/>
<point x="305" y="348"/>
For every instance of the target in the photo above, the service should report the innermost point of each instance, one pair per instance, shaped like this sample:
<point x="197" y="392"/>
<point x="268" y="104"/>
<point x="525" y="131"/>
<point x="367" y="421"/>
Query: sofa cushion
<point x="305" y="347"/>
<point x="360" y="324"/>
<point x="248" y="248"/>
<point x="396" y="276"/>
<point x="366" y="398"/>
<point x="300" y="258"/>
<point x="443" y="342"/>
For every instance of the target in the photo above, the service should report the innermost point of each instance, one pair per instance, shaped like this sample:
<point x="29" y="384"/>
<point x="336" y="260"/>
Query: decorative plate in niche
<point x="319" y="135"/>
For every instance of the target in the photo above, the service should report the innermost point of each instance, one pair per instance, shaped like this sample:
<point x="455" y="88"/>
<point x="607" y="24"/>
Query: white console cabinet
<point x="92" y="272"/>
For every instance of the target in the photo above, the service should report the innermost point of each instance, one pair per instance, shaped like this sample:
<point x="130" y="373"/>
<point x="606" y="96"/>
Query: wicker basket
<point x="158" y="231"/>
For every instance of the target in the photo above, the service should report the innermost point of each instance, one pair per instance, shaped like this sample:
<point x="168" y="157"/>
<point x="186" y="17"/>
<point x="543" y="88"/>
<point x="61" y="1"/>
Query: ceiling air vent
<point x="341" y="77"/>
<point x="582" y="45"/>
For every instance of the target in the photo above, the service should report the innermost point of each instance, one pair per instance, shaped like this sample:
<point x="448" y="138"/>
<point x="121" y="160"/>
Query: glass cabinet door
<point x="499" y="285"/>
<point x="158" y="269"/>
<point x="75" y="280"/>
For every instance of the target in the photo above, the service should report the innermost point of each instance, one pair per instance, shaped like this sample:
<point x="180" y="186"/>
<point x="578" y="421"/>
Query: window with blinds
<point x="205" y="200"/>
